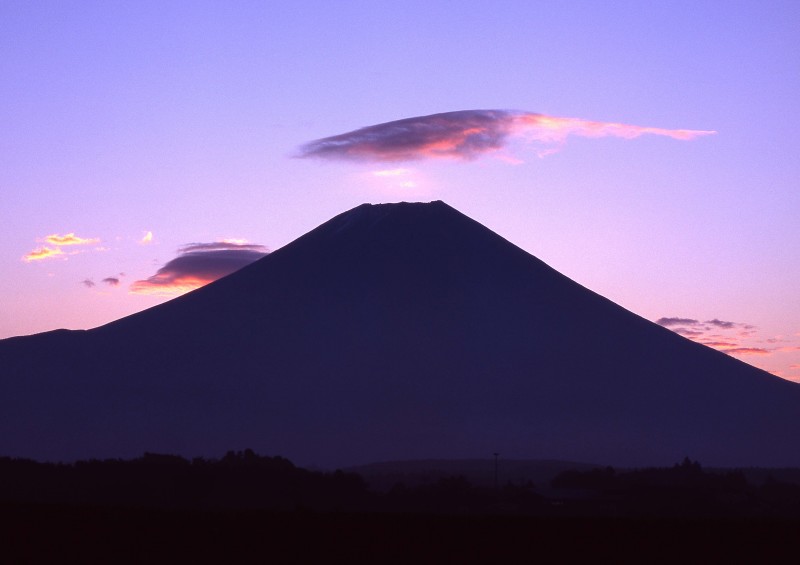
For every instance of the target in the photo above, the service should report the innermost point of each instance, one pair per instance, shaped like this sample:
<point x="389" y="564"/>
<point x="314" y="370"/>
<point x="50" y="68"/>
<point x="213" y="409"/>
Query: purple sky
<point x="184" y="120"/>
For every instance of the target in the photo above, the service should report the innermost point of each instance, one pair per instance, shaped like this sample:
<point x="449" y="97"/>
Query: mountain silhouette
<point x="392" y="331"/>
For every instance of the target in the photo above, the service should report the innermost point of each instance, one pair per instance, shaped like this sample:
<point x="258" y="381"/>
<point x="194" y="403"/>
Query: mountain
<point x="392" y="331"/>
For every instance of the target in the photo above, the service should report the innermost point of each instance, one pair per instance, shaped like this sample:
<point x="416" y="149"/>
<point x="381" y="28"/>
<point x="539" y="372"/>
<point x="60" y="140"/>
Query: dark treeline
<point x="247" y="481"/>
<point x="685" y="489"/>
<point x="242" y="480"/>
<point x="239" y="480"/>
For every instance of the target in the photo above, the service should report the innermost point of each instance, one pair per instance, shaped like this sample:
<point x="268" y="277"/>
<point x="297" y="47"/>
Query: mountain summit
<point x="392" y="331"/>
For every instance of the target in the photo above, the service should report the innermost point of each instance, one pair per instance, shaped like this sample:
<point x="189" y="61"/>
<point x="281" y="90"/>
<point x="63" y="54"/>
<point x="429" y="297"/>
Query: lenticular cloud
<point x="469" y="134"/>
<point x="197" y="265"/>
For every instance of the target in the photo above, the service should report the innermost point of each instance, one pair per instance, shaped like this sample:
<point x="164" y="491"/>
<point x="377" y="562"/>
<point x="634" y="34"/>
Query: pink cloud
<point x="718" y="344"/>
<point x="747" y="351"/>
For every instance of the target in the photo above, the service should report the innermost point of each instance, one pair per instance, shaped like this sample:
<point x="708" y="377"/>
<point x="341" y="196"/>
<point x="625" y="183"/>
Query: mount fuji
<point x="392" y="331"/>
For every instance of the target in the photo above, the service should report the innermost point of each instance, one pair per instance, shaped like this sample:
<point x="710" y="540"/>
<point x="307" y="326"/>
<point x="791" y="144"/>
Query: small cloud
<point x="69" y="239"/>
<point x="668" y="322"/>
<point x="391" y="172"/>
<point x="197" y="265"/>
<point x="88" y="283"/>
<point x="721" y="324"/>
<point x="402" y="178"/>
<point x="688" y="333"/>
<point x="718" y="344"/>
<point x="795" y="366"/>
<point x="469" y="134"/>
<point x="147" y="238"/>
<point x="224" y="245"/>
<point x="747" y="351"/>
<point x="111" y="281"/>
<point x="43" y="252"/>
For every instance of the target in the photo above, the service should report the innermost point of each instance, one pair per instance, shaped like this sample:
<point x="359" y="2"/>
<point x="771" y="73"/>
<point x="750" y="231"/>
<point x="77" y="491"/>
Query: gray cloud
<point x="687" y="332"/>
<point x="721" y="324"/>
<point x="748" y="351"/>
<point x="667" y="322"/>
<point x="223" y="246"/>
<point x="111" y="281"/>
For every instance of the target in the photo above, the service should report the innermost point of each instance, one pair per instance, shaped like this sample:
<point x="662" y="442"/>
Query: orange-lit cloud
<point x="469" y="134"/>
<point x="43" y="252"/>
<point x="147" y="238"/>
<point x="69" y="239"/>
<point x="197" y="265"/>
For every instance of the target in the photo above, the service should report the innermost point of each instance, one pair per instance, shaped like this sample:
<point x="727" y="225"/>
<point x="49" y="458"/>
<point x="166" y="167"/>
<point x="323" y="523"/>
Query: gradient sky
<point x="141" y="138"/>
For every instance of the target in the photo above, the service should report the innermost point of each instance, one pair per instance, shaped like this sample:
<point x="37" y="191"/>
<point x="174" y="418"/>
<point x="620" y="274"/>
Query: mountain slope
<point x="392" y="331"/>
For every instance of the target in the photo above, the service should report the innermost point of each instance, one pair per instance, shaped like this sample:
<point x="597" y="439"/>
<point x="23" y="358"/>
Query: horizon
<point x="149" y="149"/>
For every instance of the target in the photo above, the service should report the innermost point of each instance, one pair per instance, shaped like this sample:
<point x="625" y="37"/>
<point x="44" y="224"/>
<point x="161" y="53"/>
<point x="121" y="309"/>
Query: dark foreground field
<point x="57" y="534"/>
<point x="249" y="508"/>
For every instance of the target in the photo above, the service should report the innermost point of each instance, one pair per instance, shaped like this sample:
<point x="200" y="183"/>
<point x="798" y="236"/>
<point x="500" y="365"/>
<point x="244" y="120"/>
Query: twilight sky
<point x="153" y="146"/>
